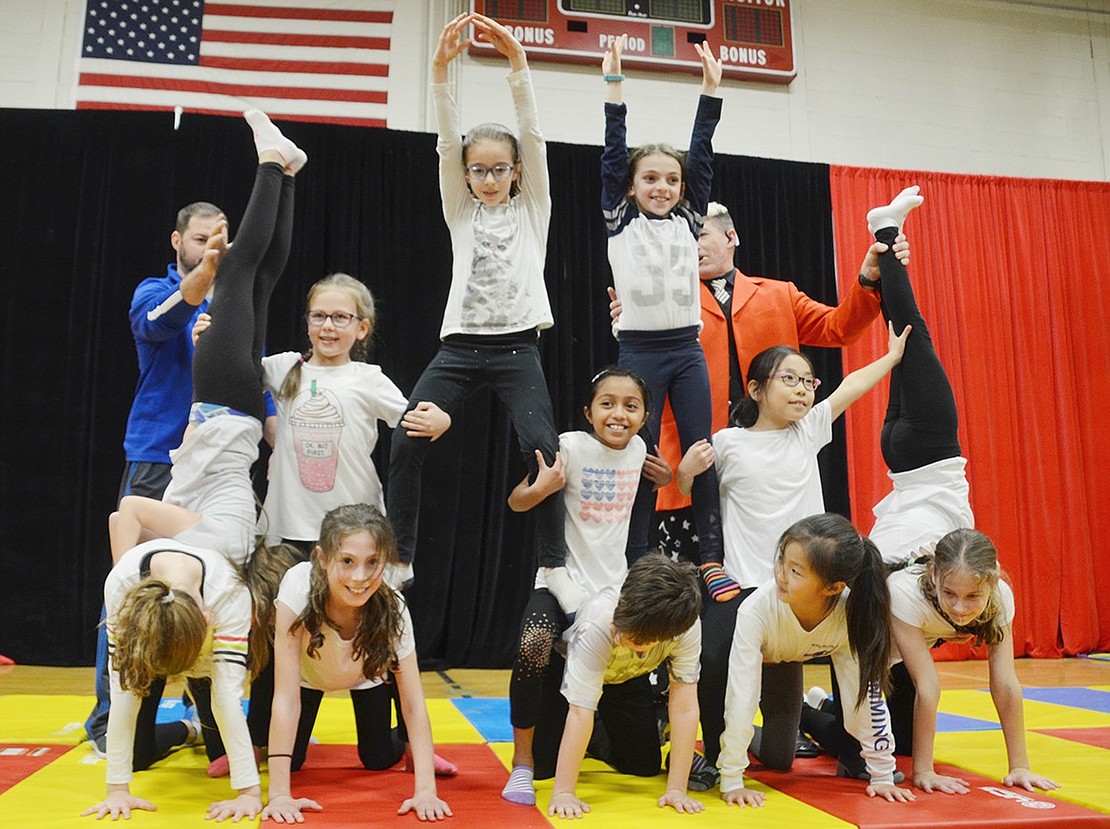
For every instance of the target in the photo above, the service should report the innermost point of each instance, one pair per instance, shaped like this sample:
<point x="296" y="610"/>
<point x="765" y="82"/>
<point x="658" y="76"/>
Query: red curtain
<point x="1013" y="278"/>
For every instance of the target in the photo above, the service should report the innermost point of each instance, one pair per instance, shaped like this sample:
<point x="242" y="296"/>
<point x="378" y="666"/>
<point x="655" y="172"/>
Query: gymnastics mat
<point x="988" y="804"/>
<point x="20" y="761"/>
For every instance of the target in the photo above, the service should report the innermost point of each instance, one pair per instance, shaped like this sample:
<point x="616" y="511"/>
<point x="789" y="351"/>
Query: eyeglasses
<point x="340" y="319"/>
<point x="791" y="380"/>
<point x="478" y="172"/>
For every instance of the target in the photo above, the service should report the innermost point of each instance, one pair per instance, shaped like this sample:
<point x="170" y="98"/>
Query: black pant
<point x="626" y="732"/>
<point x="227" y="362"/>
<point x="827" y="726"/>
<point x="379" y="745"/>
<point x="543" y="623"/>
<point x="921" y="419"/>
<point x="153" y="741"/>
<point x="780" y="698"/>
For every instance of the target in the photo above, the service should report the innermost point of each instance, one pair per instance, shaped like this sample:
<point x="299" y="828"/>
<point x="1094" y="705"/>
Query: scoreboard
<point x="752" y="38"/>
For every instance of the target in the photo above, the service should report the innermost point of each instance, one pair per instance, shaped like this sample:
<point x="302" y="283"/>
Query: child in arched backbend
<point x="329" y="401"/>
<point x="956" y="592"/>
<point x="599" y="472"/>
<point x="339" y="626"/>
<point x="654" y="201"/>
<point x="174" y="603"/>
<point x="804" y="613"/>
<point x="767" y="467"/>
<point x="497" y="204"/>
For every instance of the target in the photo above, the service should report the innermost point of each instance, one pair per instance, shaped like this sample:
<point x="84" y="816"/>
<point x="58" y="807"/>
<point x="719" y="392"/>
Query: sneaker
<point x="99" y="746"/>
<point x="703" y="774"/>
<point x="816" y="697"/>
<point x="860" y="772"/>
<point x="805" y="747"/>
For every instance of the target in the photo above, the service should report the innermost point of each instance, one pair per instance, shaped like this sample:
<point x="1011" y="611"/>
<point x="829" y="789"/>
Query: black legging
<point x="379" y="745"/>
<point x="227" y="362"/>
<point x="921" y="420"/>
<point x="543" y="623"/>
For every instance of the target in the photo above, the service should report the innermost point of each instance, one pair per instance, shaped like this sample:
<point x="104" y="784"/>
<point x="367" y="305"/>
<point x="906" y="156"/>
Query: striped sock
<point x="520" y="788"/>
<point x="721" y="587"/>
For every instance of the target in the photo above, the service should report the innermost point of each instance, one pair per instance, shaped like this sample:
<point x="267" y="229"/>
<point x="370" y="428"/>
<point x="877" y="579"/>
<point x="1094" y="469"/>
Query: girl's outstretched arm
<point x="285" y="713"/>
<point x="1006" y="693"/>
<point x="450" y="46"/>
<point x="503" y="40"/>
<point x="862" y="380"/>
<point x="611" y="70"/>
<point x="926" y="682"/>
<point x="424" y="801"/>
<point x="711" y="69"/>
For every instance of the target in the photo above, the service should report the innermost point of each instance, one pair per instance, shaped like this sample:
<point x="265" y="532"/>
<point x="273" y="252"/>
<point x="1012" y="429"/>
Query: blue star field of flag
<point x="162" y="31"/>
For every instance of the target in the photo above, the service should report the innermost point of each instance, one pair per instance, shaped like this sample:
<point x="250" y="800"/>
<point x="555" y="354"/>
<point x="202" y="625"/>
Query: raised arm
<point x="862" y="380"/>
<point x="452" y="177"/>
<point x="614" y="157"/>
<point x="699" y="161"/>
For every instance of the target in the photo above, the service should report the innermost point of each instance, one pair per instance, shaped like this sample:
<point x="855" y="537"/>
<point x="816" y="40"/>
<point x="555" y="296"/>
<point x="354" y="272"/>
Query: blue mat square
<point x="172" y="709"/>
<point x="489" y="716"/>
<point x="1086" y="698"/>
<point x="956" y="722"/>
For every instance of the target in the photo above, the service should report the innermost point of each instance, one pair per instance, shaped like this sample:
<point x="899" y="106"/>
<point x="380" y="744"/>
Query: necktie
<point x="720" y="290"/>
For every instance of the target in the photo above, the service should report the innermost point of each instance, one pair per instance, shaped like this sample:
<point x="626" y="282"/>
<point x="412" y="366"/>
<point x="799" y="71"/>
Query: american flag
<point x="299" y="60"/>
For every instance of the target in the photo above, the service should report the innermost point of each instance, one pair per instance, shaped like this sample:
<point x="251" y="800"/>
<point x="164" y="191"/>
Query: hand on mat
<point x="933" y="782"/>
<point x="681" y="802"/>
<point x="287" y="809"/>
<point x="743" y="797"/>
<point x="1028" y="780"/>
<point x="426" y="420"/>
<point x="247" y="805"/>
<point x="657" y="470"/>
<point x="427" y="806"/>
<point x="119" y="804"/>
<point x="890" y="792"/>
<point x="567" y="804"/>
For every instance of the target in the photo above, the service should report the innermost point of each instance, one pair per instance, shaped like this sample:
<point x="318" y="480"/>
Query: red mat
<point x="1097" y="737"/>
<point x="18" y="762"/>
<point x="353" y="796"/>
<point x="814" y="782"/>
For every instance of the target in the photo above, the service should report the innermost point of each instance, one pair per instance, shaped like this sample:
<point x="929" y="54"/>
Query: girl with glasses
<point x="766" y="466"/>
<point x="341" y="627"/>
<point x="497" y="205"/>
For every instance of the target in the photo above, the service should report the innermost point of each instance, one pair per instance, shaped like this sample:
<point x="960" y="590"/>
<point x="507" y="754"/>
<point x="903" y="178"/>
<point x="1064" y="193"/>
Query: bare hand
<point x="119" y="804"/>
<point x="933" y="782"/>
<point x="611" y="62"/>
<point x="681" y="802"/>
<point x="743" y="797"/>
<point x="869" y="269"/>
<point x="711" y="69"/>
<point x="552" y="478"/>
<point x="896" y="344"/>
<point x="246" y="806"/>
<point x="888" y="791"/>
<point x="287" y="809"/>
<point x="1027" y="780"/>
<point x="567" y="804"/>
<point x="204" y="274"/>
<point x="614" y="306"/>
<point x="426" y="420"/>
<point x="450" y="46"/>
<point x="698" y="458"/>
<point x="657" y="470"/>
<point x="427" y="807"/>
<point x="204" y="321"/>
<point x="490" y="31"/>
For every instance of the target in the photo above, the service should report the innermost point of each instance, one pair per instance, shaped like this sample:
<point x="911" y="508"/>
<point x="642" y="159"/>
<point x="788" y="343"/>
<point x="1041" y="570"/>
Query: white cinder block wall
<point x="1006" y="87"/>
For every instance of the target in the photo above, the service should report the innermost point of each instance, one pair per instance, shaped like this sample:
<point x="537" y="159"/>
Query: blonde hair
<point x="364" y="307"/>
<point x="159" y="632"/>
<point x="381" y="623"/>
<point x="973" y="552"/>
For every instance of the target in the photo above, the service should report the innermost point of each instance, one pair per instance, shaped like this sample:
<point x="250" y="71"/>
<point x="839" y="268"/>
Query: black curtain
<point x="91" y="198"/>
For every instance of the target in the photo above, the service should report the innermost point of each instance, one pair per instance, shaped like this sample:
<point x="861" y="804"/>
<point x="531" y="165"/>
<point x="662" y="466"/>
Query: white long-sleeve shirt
<point x="768" y="631"/>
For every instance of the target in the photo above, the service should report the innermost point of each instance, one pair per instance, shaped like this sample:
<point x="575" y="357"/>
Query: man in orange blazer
<point x="761" y="313"/>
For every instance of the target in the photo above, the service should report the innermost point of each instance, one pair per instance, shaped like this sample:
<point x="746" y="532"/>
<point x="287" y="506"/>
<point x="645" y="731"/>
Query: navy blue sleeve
<point x="614" y="166"/>
<point x="699" y="161"/>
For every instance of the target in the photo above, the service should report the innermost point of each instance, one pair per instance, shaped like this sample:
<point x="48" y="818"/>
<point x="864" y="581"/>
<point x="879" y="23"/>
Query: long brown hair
<point x="158" y="632"/>
<point x="262" y="574"/>
<point x="837" y="552"/>
<point x="364" y="306"/>
<point x="381" y="622"/>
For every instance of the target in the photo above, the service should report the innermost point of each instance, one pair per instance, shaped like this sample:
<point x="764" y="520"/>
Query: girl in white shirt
<point x="339" y="626"/>
<point x="828" y="598"/>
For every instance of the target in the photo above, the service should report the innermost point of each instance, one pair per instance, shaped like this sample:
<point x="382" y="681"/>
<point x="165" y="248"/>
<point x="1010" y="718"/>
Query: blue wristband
<point x="613" y="78"/>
